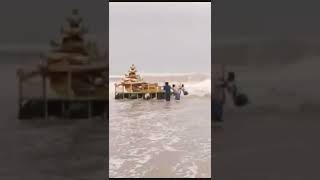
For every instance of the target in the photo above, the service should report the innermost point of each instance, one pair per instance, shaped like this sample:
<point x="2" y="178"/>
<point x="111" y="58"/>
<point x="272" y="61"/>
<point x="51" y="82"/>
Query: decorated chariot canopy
<point x="132" y="75"/>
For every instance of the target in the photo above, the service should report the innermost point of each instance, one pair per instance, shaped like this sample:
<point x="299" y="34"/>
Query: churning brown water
<point x="160" y="139"/>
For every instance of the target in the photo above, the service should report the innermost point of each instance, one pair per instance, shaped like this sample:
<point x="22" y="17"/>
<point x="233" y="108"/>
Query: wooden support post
<point x="123" y="92"/>
<point x="89" y="105"/>
<point x="89" y="109"/>
<point x="69" y="92"/>
<point x="44" y="91"/>
<point x="63" y="109"/>
<point x="69" y="84"/>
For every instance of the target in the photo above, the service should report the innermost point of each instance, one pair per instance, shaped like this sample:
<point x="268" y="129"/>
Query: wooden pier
<point x="38" y="100"/>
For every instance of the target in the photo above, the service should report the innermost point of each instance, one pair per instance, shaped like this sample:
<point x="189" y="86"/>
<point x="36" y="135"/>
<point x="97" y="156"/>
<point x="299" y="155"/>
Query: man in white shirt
<point x="176" y="92"/>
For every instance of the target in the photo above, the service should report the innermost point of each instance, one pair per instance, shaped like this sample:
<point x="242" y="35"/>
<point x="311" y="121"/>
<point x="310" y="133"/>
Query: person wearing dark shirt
<point x="218" y="99"/>
<point x="231" y="85"/>
<point x="167" y="91"/>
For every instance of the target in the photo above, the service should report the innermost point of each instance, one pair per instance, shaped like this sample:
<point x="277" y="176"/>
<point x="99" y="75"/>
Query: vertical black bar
<point x="212" y="62"/>
<point x="107" y="104"/>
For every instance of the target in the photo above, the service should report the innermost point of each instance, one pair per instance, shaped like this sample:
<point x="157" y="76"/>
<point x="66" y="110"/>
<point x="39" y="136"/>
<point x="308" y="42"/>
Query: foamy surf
<point x="150" y="139"/>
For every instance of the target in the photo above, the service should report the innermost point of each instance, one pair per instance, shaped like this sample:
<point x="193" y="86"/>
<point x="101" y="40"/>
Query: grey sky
<point x="160" y="37"/>
<point x="264" y="19"/>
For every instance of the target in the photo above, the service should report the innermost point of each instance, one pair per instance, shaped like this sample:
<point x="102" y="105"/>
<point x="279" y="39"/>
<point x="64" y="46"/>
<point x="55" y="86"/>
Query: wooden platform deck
<point x="143" y="91"/>
<point x="38" y="100"/>
<point x="139" y="95"/>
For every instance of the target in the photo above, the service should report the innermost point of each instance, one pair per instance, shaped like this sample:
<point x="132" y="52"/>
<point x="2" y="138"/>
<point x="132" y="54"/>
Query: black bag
<point x="185" y="93"/>
<point x="241" y="99"/>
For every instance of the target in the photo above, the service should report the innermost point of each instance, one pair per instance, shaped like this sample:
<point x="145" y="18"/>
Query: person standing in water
<point x="167" y="91"/>
<point x="239" y="98"/>
<point x="218" y="99"/>
<point x="176" y="92"/>
<point x="184" y="90"/>
<point x="219" y="96"/>
<point x="231" y="84"/>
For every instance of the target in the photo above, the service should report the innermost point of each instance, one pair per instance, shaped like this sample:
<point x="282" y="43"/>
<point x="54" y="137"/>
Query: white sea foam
<point x="115" y="163"/>
<point x="160" y="139"/>
<point x="162" y="77"/>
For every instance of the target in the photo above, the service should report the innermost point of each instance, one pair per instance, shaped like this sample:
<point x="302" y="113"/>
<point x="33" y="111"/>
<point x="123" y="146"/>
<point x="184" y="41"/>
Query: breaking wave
<point x="282" y="88"/>
<point x="169" y="77"/>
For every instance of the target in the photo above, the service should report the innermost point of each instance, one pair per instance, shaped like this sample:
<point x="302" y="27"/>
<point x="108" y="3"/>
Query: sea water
<point x="156" y="138"/>
<point x="146" y="138"/>
<point x="53" y="149"/>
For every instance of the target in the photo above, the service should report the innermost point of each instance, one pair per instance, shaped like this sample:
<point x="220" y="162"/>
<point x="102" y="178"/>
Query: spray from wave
<point x="197" y="84"/>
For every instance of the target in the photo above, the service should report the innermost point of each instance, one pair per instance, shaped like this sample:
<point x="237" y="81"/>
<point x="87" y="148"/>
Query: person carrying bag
<point x="239" y="98"/>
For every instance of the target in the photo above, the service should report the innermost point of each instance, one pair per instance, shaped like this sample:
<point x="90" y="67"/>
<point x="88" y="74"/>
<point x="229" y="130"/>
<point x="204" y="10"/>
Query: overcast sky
<point x="38" y="21"/>
<point x="164" y="37"/>
<point x="266" y="18"/>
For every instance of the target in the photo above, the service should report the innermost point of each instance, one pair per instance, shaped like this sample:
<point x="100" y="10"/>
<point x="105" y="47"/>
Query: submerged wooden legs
<point x="44" y="94"/>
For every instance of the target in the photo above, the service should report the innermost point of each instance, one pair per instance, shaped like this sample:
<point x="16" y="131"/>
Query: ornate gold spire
<point x="132" y="75"/>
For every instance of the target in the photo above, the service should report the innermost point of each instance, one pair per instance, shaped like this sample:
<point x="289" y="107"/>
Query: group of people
<point x="174" y="90"/>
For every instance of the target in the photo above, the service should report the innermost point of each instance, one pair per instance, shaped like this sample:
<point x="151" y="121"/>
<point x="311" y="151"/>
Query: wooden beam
<point x="123" y="92"/>
<point x="77" y="68"/>
<point x="69" y="92"/>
